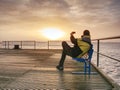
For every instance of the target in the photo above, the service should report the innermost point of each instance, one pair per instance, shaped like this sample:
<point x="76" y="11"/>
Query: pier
<point x="36" y="69"/>
<point x="31" y="65"/>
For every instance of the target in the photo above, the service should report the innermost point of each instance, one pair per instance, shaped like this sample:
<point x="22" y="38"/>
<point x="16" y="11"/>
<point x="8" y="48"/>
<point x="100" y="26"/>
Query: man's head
<point x="86" y="32"/>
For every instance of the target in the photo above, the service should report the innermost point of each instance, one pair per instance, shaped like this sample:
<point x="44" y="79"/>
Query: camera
<point x="73" y="33"/>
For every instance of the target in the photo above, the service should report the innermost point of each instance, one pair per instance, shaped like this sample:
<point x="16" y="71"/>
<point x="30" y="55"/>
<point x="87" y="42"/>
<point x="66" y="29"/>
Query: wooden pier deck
<point x="36" y="69"/>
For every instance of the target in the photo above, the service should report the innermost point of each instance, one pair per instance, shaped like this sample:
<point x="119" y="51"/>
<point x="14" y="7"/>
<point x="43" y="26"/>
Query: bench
<point x="86" y="61"/>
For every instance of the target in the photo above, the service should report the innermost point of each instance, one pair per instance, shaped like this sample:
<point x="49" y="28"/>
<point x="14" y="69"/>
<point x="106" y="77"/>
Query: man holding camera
<point x="81" y="47"/>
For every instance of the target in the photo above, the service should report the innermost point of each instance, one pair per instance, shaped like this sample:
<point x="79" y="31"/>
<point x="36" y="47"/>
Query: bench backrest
<point x="90" y="52"/>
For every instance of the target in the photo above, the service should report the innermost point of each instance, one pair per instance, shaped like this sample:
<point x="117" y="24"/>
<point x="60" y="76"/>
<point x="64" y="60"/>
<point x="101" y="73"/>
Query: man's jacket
<point x="81" y="45"/>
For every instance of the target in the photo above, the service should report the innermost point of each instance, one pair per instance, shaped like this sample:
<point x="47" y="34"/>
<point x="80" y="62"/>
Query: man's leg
<point x="66" y="51"/>
<point x="63" y="56"/>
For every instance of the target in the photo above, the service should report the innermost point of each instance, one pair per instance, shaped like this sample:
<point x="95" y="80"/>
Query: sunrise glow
<point x="52" y="33"/>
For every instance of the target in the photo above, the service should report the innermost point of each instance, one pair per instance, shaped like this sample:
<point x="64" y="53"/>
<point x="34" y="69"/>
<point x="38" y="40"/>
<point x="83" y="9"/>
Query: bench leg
<point x="87" y="68"/>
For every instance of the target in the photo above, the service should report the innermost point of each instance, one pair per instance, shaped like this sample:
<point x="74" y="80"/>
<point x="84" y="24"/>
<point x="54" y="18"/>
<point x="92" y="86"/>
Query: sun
<point x="52" y="33"/>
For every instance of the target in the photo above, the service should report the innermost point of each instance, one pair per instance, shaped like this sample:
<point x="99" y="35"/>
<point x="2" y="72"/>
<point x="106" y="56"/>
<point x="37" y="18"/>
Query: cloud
<point x="78" y="12"/>
<point x="48" y="4"/>
<point x="17" y="11"/>
<point x="11" y="5"/>
<point x="94" y="11"/>
<point x="48" y="7"/>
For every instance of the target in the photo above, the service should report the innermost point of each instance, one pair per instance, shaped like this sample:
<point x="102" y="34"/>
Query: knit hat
<point x="86" y="32"/>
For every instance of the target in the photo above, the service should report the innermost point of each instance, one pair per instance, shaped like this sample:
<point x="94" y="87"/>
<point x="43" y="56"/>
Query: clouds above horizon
<point x="65" y="8"/>
<point x="85" y="13"/>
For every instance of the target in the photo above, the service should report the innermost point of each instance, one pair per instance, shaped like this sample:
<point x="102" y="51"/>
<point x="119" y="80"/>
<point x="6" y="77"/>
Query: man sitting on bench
<point x="81" y="47"/>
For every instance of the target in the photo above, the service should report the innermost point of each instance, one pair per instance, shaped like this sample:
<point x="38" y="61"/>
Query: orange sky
<point x="23" y="19"/>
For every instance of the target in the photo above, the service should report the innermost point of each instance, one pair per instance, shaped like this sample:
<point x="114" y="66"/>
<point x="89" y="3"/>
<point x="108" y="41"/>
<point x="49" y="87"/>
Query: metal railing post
<point x="5" y="44"/>
<point x="8" y="44"/>
<point x="34" y="45"/>
<point x="21" y="44"/>
<point x="98" y="46"/>
<point x="48" y="45"/>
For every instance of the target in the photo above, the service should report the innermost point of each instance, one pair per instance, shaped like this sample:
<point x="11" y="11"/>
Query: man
<point x="81" y="46"/>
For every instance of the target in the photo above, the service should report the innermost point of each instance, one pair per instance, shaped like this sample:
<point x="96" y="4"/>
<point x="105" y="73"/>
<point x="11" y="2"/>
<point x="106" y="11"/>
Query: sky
<point x="25" y="19"/>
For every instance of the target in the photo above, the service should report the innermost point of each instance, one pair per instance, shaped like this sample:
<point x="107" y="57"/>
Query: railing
<point x="98" y="48"/>
<point x="53" y="45"/>
<point x="32" y="44"/>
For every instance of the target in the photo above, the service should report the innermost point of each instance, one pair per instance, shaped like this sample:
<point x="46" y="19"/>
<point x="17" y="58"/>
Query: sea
<point x="109" y="66"/>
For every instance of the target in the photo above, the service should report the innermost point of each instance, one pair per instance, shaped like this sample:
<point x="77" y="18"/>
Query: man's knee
<point x="64" y="43"/>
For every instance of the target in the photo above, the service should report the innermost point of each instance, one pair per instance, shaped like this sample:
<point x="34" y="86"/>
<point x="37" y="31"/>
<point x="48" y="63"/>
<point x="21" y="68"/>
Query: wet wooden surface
<point x="36" y="69"/>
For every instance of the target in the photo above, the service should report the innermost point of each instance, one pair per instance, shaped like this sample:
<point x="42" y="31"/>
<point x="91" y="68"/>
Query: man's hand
<point x="72" y="33"/>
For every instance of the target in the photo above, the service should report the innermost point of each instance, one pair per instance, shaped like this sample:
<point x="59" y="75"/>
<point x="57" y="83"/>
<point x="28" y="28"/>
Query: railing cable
<point x="108" y="56"/>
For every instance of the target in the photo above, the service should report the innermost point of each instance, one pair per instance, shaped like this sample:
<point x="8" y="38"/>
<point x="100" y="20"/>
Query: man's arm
<point x="72" y="38"/>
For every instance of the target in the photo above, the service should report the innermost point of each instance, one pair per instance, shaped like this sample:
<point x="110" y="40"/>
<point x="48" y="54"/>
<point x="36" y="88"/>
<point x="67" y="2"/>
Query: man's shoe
<point x="60" y="68"/>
